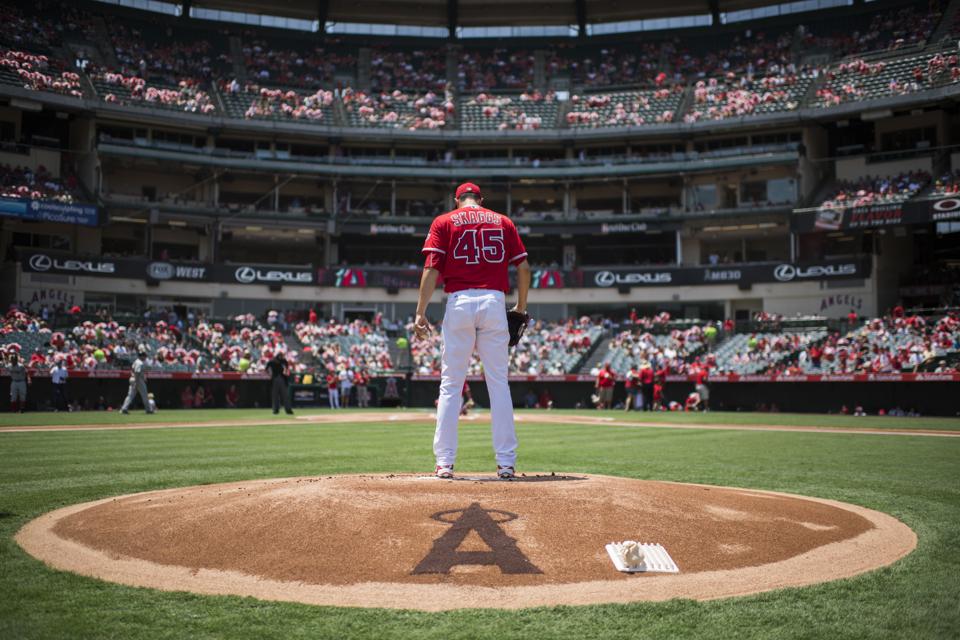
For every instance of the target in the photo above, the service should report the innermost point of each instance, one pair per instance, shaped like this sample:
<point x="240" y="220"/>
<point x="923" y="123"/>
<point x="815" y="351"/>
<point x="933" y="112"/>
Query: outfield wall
<point x="931" y="394"/>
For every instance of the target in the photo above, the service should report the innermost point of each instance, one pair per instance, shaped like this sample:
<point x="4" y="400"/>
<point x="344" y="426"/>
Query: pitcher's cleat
<point x="506" y="473"/>
<point x="444" y="472"/>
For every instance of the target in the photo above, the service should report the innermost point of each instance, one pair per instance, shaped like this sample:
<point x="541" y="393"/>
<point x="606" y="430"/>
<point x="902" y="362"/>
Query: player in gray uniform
<point x="138" y="382"/>
<point x="19" y="377"/>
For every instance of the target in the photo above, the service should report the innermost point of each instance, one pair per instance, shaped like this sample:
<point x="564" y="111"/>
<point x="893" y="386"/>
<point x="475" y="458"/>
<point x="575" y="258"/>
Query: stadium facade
<point x="206" y="167"/>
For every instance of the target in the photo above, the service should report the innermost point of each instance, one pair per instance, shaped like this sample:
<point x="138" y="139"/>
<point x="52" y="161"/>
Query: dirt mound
<point x="419" y="542"/>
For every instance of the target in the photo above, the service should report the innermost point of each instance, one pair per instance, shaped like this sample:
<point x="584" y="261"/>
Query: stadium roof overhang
<point x="476" y="13"/>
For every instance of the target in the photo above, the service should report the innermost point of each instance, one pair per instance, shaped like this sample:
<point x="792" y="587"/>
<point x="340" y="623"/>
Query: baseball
<point x="632" y="553"/>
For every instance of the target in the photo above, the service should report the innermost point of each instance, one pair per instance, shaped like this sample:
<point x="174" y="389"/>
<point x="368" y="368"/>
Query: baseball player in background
<point x="19" y="379"/>
<point x="472" y="248"/>
<point x="138" y="382"/>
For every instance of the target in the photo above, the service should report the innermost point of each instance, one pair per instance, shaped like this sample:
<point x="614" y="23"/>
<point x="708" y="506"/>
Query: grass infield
<point x="912" y="478"/>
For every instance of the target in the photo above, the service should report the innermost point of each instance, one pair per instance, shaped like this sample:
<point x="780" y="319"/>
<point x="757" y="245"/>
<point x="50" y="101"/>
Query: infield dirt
<point x="417" y="542"/>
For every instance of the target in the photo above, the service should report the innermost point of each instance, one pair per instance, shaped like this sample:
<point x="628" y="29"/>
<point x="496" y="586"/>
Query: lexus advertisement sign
<point x="161" y="271"/>
<point x="407" y="278"/>
<point x="742" y="274"/>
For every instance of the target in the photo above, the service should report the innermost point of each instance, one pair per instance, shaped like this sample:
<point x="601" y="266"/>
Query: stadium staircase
<point x="293" y="344"/>
<point x="103" y="43"/>
<point x="594" y="357"/>
<point x="340" y="116"/>
<point x="947" y="22"/>
<point x="236" y="54"/>
<point x="686" y="104"/>
<point x="563" y="108"/>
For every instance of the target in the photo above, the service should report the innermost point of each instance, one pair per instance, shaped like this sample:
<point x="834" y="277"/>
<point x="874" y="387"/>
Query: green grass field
<point x="914" y="478"/>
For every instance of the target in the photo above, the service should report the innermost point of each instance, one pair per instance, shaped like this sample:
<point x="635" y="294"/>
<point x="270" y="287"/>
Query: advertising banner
<point x="926" y="211"/>
<point x="50" y="211"/>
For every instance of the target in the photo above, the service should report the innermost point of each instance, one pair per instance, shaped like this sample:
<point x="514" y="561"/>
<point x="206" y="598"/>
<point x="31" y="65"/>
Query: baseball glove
<point x="517" y="323"/>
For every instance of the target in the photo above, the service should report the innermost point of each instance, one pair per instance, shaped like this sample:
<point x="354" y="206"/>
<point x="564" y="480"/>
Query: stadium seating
<point x="37" y="72"/>
<point x="397" y="110"/>
<point x="349" y="346"/>
<point x="884" y="345"/>
<point x="526" y="111"/>
<point x="255" y="102"/>
<point x="874" y="191"/>
<point x="187" y="95"/>
<point x="546" y="349"/>
<point x="290" y="62"/>
<point x="859" y="80"/>
<point x="36" y="184"/>
<point x="673" y="350"/>
<point x="733" y="97"/>
<point x="480" y="70"/>
<point x="624" y="108"/>
<point x="752" y="353"/>
<point x="409" y="69"/>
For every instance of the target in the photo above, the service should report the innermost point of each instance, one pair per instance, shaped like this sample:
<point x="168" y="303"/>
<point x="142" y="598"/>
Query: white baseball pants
<point x="475" y="318"/>
<point x="334" y="398"/>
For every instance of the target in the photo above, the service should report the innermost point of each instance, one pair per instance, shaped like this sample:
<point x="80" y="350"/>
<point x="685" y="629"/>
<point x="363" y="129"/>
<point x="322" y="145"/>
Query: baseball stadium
<point x="480" y="319"/>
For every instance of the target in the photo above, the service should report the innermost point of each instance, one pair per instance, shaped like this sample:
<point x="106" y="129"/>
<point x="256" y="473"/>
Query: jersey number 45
<point x="474" y="244"/>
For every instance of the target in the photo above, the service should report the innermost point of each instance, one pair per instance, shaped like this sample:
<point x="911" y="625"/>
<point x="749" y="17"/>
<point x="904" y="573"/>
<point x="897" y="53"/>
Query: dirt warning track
<point x="406" y="541"/>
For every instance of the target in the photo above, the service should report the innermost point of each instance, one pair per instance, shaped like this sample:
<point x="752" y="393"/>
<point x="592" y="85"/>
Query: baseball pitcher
<point x="138" y="382"/>
<point x="472" y="247"/>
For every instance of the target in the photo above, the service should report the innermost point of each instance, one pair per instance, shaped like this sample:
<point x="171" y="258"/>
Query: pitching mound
<point x="422" y="543"/>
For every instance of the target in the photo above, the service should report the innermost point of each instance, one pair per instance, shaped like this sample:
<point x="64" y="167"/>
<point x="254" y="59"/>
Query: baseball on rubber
<point x="632" y="553"/>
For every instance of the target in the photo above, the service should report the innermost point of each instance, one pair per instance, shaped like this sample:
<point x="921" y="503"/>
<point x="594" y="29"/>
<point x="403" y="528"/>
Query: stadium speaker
<point x="744" y="286"/>
<point x="624" y="289"/>
<point x="276" y="287"/>
<point x="392" y="291"/>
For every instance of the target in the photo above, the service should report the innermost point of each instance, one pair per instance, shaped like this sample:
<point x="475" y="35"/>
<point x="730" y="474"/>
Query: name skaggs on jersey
<point x="476" y="217"/>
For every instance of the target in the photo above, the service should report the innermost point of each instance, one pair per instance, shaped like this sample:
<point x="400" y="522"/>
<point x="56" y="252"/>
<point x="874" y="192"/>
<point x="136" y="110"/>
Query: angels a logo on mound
<point x="504" y="553"/>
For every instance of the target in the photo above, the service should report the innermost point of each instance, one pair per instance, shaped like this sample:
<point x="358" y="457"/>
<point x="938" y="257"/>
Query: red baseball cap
<point x="468" y="187"/>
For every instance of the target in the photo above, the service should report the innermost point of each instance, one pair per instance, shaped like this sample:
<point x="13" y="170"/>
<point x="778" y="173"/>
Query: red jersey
<point x="701" y="374"/>
<point x="472" y="247"/>
<point x="605" y="378"/>
<point x="646" y="375"/>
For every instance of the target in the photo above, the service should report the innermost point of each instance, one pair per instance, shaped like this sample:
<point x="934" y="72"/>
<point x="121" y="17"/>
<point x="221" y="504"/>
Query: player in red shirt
<point x="472" y="248"/>
<point x="606" y="379"/>
<point x="700" y="375"/>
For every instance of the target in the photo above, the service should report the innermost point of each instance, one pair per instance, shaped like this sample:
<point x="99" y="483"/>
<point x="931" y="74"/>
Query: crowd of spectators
<point x="733" y="96"/>
<point x="148" y="53"/>
<point x="23" y="29"/>
<point x="36" y="184"/>
<point x="37" y="73"/>
<point x="307" y="67"/>
<point x="894" y="28"/>
<point x="521" y="114"/>
<point x="266" y="102"/>
<point x="898" y="343"/>
<point x="947" y="185"/>
<point x="870" y="190"/>
<point x="547" y="348"/>
<point x="352" y="346"/>
<point x="186" y="96"/>
<point x="247" y="345"/>
<point x="398" y="109"/>
<point x="418" y="70"/>
<point x="674" y="352"/>
<point x="480" y="70"/>
<point x="621" y="109"/>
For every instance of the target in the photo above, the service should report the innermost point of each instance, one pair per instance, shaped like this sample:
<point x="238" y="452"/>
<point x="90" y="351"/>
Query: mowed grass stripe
<point x="912" y="478"/>
<point x="250" y="417"/>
